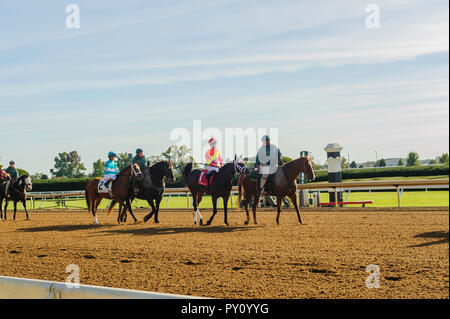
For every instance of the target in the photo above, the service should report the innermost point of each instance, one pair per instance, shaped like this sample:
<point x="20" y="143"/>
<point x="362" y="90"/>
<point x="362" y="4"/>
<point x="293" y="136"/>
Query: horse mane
<point x="121" y="172"/>
<point x="292" y="162"/>
<point x="160" y="163"/>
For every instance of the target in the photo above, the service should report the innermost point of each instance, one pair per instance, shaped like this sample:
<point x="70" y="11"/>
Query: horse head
<point x="309" y="170"/>
<point x="239" y="165"/>
<point x="25" y="182"/>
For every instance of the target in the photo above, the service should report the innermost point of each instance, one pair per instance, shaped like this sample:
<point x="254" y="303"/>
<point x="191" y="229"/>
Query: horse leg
<point x="128" y="203"/>
<point x="199" y="199"/>
<point x="1" y="208"/>
<point x="6" y="208"/>
<point x="293" y="198"/>
<point x="15" y="210"/>
<point x="225" y="209"/>
<point x="279" y="200"/>
<point x="194" y="204"/>
<point x="119" y="214"/>
<point x="214" y="200"/>
<point x="150" y="215"/>
<point x="24" y="202"/>
<point x="246" y="202"/>
<point x="158" y="202"/>
<point x="94" y="209"/>
<point x="255" y="205"/>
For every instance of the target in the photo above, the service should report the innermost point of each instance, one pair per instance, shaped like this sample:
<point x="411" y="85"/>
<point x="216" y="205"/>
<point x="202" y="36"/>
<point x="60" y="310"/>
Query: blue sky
<point x="135" y="70"/>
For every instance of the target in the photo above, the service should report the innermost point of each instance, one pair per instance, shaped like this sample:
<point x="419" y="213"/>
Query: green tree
<point x="400" y="163"/>
<point x="381" y="163"/>
<point x="37" y="176"/>
<point x="179" y="155"/>
<point x="353" y="164"/>
<point x="22" y="172"/>
<point x="344" y="163"/>
<point x="124" y="160"/>
<point x="413" y="159"/>
<point x="443" y="159"/>
<point x="286" y="159"/>
<point x="68" y="165"/>
<point x="98" y="168"/>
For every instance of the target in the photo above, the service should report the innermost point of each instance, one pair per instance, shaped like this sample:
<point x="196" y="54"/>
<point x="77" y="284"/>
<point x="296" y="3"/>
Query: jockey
<point x="111" y="169"/>
<point x="267" y="161"/>
<point x="214" y="160"/>
<point x="12" y="171"/>
<point x="139" y="159"/>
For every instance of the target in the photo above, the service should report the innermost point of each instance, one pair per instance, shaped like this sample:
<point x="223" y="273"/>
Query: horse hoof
<point x="146" y="219"/>
<point x="156" y="221"/>
<point x="208" y="222"/>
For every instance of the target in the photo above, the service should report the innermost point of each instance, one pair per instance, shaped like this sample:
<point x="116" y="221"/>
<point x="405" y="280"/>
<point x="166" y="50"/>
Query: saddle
<point x="102" y="188"/>
<point x="203" y="178"/>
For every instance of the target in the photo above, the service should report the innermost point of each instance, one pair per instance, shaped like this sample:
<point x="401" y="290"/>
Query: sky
<point x="136" y="70"/>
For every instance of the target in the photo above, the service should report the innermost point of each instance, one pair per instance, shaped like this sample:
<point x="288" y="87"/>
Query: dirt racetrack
<point x="325" y="258"/>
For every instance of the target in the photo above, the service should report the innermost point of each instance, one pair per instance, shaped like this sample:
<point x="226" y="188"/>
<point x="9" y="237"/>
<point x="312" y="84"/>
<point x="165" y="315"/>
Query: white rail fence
<point x="21" y="288"/>
<point x="61" y="198"/>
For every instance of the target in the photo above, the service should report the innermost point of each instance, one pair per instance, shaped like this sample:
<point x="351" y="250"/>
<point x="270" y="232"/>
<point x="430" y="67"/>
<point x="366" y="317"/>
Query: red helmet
<point x="212" y="141"/>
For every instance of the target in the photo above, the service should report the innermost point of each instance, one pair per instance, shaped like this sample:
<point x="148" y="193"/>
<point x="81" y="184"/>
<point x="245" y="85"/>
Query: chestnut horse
<point x="283" y="184"/>
<point x="120" y="190"/>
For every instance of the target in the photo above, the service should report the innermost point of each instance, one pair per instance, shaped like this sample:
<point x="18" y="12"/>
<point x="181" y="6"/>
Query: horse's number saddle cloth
<point x="102" y="188"/>
<point x="202" y="180"/>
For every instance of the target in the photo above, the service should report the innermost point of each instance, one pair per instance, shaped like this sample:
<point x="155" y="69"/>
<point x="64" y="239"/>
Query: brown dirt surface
<point x="324" y="258"/>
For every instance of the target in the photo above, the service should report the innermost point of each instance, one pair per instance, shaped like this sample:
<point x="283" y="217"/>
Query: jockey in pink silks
<point x="214" y="160"/>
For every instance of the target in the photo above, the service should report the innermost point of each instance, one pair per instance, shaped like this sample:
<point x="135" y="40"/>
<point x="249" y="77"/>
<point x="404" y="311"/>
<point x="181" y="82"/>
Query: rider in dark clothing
<point x="12" y="171"/>
<point x="140" y="159"/>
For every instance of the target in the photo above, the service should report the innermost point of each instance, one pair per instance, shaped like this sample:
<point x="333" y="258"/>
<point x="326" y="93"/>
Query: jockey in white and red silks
<point x="214" y="160"/>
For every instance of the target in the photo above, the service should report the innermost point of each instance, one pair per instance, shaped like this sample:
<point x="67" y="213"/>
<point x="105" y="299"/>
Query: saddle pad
<point x="202" y="179"/>
<point x="102" y="189"/>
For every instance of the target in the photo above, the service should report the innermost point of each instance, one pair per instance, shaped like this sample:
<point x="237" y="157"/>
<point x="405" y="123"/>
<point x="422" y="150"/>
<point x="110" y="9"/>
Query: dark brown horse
<point x="283" y="184"/>
<point x="120" y="191"/>
<point x="220" y="187"/>
<point x="151" y="190"/>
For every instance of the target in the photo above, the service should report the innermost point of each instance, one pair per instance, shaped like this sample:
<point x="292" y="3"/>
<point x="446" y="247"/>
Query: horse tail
<point x="240" y="188"/>
<point x="111" y="206"/>
<point x="186" y="171"/>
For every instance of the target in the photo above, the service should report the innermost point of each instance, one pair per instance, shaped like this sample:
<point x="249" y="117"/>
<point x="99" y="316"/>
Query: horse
<point x="152" y="188"/>
<point x="283" y="184"/>
<point x="120" y="191"/>
<point x="18" y="193"/>
<point x="220" y="187"/>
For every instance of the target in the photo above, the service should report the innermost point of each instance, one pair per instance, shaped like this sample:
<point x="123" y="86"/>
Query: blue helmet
<point x="112" y="154"/>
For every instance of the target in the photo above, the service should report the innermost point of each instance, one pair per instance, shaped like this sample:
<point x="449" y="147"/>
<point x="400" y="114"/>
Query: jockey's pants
<point x="210" y="169"/>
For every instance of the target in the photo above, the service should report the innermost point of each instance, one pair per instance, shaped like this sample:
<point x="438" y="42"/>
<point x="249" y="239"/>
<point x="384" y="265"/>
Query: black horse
<point x="220" y="187"/>
<point x="17" y="192"/>
<point x="151" y="188"/>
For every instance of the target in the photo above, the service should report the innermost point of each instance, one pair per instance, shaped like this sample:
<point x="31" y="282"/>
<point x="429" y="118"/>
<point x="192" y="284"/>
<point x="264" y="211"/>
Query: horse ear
<point x="235" y="157"/>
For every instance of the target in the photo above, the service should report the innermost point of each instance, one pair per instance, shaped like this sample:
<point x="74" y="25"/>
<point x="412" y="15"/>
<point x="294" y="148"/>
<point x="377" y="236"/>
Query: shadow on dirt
<point x="442" y="237"/>
<point x="176" y="230"/>
<point x="61" y="228"/>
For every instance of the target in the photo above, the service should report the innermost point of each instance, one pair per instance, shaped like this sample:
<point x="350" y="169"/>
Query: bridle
<point x="134" y="171"/>
<point x="239" y="168"/>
